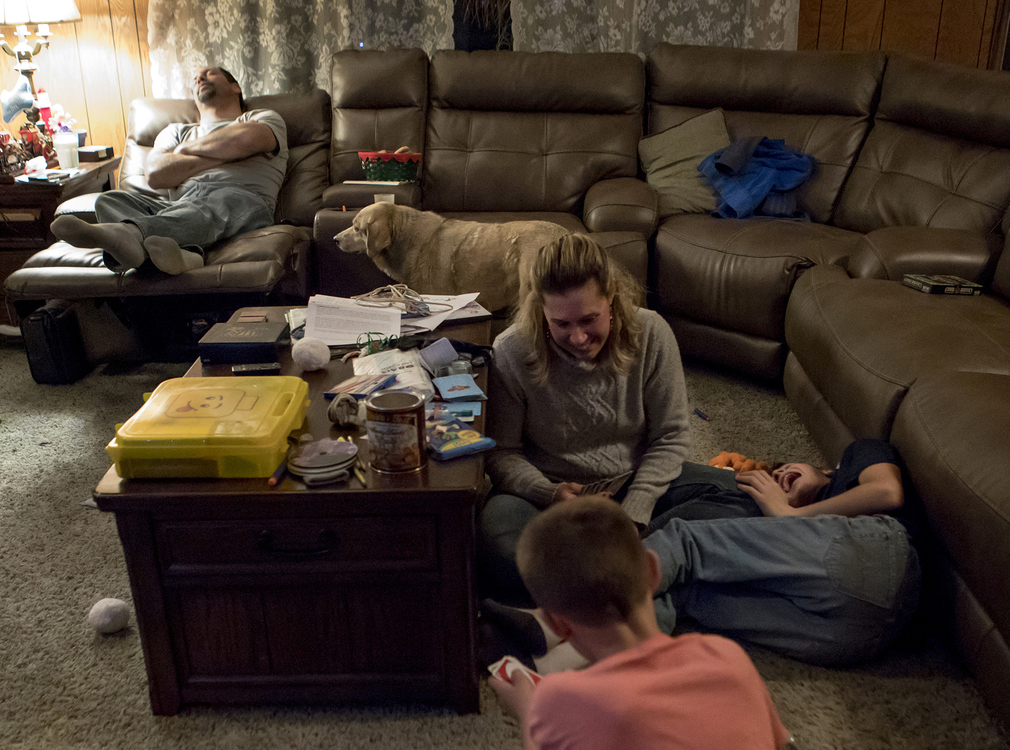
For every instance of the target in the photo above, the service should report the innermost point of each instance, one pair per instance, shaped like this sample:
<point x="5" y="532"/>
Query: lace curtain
<point x="282" y="45"/>
<point x="638" y="25"/>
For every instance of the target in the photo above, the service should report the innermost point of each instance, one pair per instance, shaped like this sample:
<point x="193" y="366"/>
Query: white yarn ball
<point x="109" y="615"/>
<point x="310" y="354"/>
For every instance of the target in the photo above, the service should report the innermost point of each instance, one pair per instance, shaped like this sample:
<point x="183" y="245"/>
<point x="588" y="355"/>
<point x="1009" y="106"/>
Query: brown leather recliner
<point x="270" y="264"/>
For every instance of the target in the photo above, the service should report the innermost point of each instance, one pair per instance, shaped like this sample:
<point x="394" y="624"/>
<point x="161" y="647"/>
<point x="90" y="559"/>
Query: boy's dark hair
<point x="583" y="559"/>
<point x="232" y="79"/>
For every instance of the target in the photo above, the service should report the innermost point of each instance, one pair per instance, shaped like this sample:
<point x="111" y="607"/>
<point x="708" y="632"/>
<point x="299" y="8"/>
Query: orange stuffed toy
<point x="737" y="462"/>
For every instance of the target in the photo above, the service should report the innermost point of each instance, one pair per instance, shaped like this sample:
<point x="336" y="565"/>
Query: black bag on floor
<point x="55" y="347"/>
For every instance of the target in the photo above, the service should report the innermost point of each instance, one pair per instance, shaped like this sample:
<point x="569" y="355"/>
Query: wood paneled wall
<point x="93" y="68"/>
<point x="967" y="32"/>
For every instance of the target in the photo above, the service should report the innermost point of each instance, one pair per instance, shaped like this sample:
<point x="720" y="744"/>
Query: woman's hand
<point x="766" y="493"/>
<point x="566" y="491"/>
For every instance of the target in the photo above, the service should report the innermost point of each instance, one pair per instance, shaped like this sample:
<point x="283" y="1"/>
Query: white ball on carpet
<point x="310" y="354"/>
<point x="109" y="615"/>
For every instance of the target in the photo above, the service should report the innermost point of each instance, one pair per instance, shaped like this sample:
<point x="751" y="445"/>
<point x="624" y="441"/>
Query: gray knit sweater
<point x="588" y="422"/>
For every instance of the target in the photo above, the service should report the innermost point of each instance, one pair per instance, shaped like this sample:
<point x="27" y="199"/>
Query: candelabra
<point x="20" y="13"/>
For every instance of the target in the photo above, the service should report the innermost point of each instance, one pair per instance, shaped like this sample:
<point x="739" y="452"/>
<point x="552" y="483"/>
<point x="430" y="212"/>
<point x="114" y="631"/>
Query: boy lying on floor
<point x="585" y="566"/>
<point x="815" y="565"/>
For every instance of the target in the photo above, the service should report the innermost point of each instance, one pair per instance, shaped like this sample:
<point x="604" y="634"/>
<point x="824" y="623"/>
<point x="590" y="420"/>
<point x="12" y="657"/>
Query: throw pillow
<point x="671" y="158"/>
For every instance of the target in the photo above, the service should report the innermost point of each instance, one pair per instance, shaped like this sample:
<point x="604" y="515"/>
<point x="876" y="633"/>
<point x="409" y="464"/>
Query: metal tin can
<point x="395" y="424"/>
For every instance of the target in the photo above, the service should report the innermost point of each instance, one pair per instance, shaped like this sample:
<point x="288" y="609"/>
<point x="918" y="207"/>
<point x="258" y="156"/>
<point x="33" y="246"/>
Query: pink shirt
<point x="693" y="692"/>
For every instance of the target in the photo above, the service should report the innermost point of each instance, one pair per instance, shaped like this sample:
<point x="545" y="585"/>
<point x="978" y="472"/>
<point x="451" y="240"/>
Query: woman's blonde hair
<point x="569" y="263"/>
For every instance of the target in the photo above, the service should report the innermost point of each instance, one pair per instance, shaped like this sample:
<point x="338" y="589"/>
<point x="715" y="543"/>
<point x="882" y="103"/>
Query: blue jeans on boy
<point x="203" y="215"/>
<point x="826" y="590"/>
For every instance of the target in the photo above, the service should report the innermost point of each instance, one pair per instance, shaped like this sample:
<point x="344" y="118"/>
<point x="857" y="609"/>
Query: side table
<point x="27" y="210"/>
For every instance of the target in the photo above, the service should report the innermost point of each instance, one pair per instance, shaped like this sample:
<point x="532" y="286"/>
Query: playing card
<point x="508" y="666"/>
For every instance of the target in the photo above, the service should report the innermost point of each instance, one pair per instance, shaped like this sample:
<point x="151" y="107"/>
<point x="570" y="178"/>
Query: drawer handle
<point x="327" y="543"/>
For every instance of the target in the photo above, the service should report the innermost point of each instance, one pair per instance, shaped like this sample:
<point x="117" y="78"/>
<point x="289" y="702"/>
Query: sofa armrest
<point x="891" y="252"/>
<point x="622" y="204"/>
<point x="342" y="195"/>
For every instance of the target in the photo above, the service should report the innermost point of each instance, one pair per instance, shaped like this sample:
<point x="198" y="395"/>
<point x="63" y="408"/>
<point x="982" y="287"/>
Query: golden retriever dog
<point x="433" y="255"/>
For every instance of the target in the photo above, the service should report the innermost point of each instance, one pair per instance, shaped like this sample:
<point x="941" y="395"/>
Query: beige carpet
<point x="62" y="686"/>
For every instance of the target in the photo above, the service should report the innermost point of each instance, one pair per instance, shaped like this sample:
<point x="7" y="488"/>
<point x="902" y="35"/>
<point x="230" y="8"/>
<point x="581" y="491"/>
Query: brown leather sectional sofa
<point x="913" y="176"/>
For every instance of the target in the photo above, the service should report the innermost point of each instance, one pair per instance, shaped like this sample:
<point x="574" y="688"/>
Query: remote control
<point x="261" y="368"/>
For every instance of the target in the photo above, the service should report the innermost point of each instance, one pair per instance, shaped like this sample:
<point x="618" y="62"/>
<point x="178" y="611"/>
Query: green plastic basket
<point x="390" y="167"/>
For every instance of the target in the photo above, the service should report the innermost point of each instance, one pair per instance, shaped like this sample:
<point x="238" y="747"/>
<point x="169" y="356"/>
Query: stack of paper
<point x="340" y="321"/>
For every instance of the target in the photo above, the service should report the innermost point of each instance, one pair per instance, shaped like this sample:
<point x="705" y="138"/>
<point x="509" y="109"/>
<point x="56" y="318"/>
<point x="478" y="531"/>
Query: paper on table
<point x="339" y="321"/>
<point x="433" y="321"/>
<point x="473" y="310"/>
<point x="406" y="365"/>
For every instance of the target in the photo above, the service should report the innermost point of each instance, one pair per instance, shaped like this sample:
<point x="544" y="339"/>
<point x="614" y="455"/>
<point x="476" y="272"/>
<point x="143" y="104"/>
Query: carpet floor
<point x="63" y="686"/>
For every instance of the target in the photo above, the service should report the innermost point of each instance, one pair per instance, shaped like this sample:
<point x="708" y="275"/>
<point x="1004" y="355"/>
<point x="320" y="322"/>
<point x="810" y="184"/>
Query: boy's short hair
<point x="583" y="559"/>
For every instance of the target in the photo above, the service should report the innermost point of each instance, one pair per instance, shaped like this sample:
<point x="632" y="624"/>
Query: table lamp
<point x="20" y="13"/>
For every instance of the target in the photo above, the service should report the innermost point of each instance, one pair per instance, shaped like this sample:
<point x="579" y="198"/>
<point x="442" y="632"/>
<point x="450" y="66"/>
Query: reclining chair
<point x="145" y="314"/>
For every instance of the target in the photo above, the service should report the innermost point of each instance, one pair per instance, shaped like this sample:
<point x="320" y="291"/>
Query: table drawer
<point x="299" y="544"/>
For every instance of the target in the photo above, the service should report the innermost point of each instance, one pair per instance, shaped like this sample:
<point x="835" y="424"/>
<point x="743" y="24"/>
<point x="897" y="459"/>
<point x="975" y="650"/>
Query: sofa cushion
<point x="1001" y="277"/>
<point x="307" y="117"/>
<point x="864" y="342"/>
<point x="516" y="131"/>
<point x="891" y="252"/>
<point x="938" y="154"/>
<point x="819" y="102"/>
<point x="671" y="158"/>
<point x="738" y="273"/>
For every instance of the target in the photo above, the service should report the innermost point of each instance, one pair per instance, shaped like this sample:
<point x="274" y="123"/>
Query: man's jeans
<point x="203" y="214"/>
<point x="826" y="590"/>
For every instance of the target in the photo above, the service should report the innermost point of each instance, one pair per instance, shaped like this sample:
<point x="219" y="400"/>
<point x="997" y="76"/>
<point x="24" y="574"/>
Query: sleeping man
<point x="222" y="175"/>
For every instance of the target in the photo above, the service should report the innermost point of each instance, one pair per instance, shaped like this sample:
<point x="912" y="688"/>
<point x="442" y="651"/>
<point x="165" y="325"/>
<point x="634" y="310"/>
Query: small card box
<point x="941" y="284"/>
<point x="94" y="153"/>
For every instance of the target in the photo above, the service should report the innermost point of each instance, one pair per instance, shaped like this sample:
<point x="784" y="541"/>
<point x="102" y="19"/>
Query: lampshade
<point x="16" y="12"/>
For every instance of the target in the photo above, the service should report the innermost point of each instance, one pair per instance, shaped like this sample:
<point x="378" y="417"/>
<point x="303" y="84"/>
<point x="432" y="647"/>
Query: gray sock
<point x="166" y="254"/>
<point x="122" y="243"/>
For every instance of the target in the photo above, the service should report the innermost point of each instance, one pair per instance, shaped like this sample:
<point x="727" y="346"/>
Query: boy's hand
<point x="514" y="697"/>
<point x="766" y="493"/>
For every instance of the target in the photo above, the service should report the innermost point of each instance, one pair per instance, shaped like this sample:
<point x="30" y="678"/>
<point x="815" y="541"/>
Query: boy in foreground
<point x="585" y="566"/>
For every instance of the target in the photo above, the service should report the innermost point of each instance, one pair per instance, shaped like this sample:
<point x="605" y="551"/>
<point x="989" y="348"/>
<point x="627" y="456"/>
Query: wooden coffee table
<point x="246" y="593"/>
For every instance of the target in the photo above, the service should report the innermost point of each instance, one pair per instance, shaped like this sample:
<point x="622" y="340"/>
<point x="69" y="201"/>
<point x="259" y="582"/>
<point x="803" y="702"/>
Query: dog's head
<point x="371" y="232"/>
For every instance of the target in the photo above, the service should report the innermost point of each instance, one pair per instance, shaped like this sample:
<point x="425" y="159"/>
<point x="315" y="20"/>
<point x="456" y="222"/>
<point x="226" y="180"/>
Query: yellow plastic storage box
<point x="211" y="427"/>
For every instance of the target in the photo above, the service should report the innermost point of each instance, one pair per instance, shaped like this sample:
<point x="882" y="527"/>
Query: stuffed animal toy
<point x="737" y="462"/>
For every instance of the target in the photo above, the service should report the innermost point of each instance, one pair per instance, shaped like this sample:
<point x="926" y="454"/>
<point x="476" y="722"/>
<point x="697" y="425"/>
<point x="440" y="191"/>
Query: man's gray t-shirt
<point x="262" y="173"/>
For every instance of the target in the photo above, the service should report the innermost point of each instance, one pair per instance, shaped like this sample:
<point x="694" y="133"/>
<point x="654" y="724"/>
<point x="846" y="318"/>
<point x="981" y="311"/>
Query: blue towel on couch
<point x="747" y="172"/>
